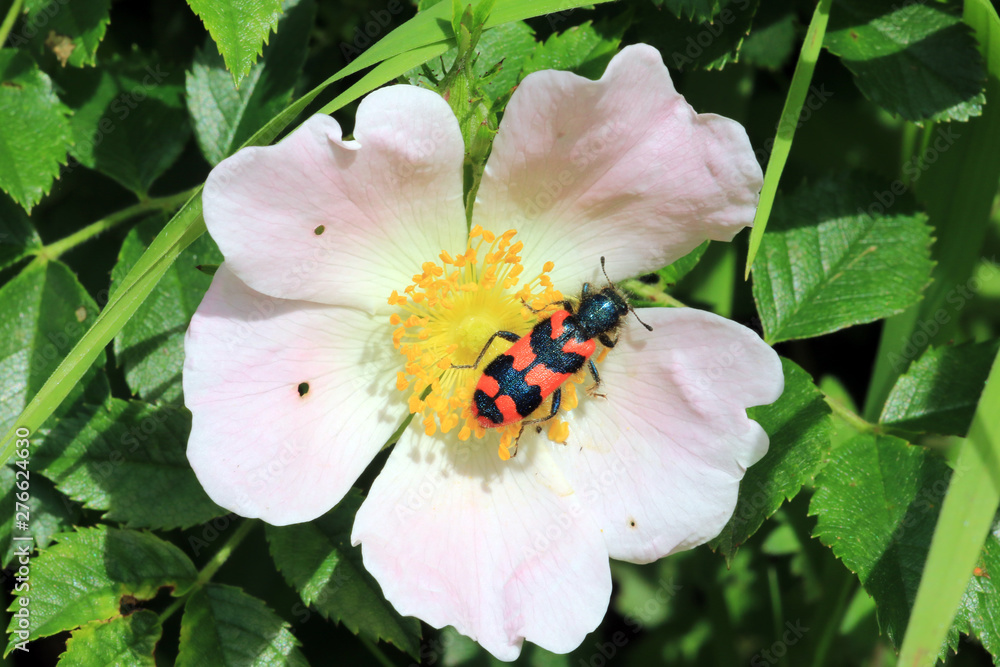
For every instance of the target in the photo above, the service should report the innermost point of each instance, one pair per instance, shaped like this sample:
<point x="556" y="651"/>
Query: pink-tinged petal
<point x="258" y="447"/>
<point x="659" y="460"/>
<point x="502" y="551"/>
<point x="621" y="167"/>
<point x="322" y="219"/>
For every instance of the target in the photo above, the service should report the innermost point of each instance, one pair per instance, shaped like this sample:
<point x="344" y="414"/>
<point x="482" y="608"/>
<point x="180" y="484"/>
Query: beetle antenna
<point x="648" y="328"/>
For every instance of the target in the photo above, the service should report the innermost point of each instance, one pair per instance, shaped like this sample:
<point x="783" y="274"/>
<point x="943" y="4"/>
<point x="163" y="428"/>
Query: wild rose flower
<point x="352" y="284"/>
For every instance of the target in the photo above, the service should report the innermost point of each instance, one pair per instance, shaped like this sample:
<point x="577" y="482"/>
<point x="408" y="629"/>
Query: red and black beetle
<point x="516" y="382"/>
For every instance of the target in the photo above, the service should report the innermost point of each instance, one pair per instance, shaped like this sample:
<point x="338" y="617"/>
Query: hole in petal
<point x="319" y="230"/>
<point x="303" y="388"/>
<point x="649" y="279"/>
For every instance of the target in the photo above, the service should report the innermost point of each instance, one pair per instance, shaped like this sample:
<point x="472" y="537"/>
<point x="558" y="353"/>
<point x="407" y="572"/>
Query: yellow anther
<point x="559" y="431"/>
<point x="447" y="316"/>
<point x="548" y="267"/>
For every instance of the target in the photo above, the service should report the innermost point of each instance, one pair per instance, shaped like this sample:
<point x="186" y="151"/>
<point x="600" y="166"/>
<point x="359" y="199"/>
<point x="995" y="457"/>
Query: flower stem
<point x="376" y="652"/>
<point x="8" y="21"/>
<point x="212" y="566"/>
<point x="57" y="248"/>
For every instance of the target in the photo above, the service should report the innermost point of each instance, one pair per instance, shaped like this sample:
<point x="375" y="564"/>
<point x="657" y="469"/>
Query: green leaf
<point x="54" y="310"/>
<point x="969" y="508"/>
<point x="318" y="561"/>
<point x="693" y="10"/>
<point x="225" y="116"/>
<point x="585" y="49"/>
<point x="127" y="640"/>
<point x="129" y="120"/>
<point x="71" y="31"/>
<point x="940" y="391"/>
<point x="918" y="60"/>
<point x="877" y="502"/>
<point x="707" y="41"/>
<point x="772" y="41"/>
<point x="34" y="131"/>
<point x="652" y="288"/>
<point x="832" y="258"/>
<point x="128" y="458"/>
<point x="86" y="574"/>
<point x="509" y="45"/>
<point x="18" y="237"/>
<point x="954" y="170"/>
<point x="978" y="611"/>
<point x="239" y="29"/>
<point x="50" y="512"/>
<point x="150" y="347"/>
<point x="799" y="427"/>
<point x="222" y="625"/>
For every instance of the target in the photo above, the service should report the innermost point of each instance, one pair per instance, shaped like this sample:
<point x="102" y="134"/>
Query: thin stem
<point x="851" y="417"/>
<point x="212" y="566"/>
<point x="8" y="21"/>
<point x="777" y="615"/>
<point x="788" y="123"/>
<point x="845" y="585"/>
<point x="376" y="652"/>
<point x="57" y="248"/>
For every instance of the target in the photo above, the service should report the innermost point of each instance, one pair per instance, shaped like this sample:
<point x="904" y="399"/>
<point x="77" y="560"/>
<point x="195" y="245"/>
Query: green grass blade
<point x="966" y="516"/>
<point x="957" y="188"/>
<point x="797" y="92"/>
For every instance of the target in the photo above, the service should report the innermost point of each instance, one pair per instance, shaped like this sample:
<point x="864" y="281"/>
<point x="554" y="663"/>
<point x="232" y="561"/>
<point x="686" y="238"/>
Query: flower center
<point x="446" y="317"/>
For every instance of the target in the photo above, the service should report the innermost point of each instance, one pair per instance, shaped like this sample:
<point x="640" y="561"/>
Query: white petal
<point x="502" y="551"/>
<point x="260" y="448"/>
<point x="621" y="167"/>
<point x="344" y="222"/>
<point x="660" y="459"/>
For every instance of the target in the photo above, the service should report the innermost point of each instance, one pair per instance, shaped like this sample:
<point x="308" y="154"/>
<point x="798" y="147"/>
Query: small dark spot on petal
<point x="303" y="388"/>
<point x="631" y="523"/>
<point x="649" y="279"/>
<point x="319" y="230"/>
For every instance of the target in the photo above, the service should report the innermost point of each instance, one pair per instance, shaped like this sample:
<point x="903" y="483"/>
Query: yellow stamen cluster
<point x="446" y="316"/>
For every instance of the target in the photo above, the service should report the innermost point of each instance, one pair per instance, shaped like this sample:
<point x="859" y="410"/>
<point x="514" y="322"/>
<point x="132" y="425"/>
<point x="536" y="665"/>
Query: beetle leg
<point x="564" y="303"/>
<point x="592" y="389"/>
<point x="606" y="340"/>
<point x="506" y="335"/>
<point x="556" y="400"/>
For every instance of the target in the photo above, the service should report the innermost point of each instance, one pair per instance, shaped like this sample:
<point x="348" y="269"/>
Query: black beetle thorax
<point x="601" y="312"/>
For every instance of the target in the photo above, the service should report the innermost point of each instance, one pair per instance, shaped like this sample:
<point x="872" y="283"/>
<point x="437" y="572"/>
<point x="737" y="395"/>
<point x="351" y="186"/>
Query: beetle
<point x="516" y="382"/>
